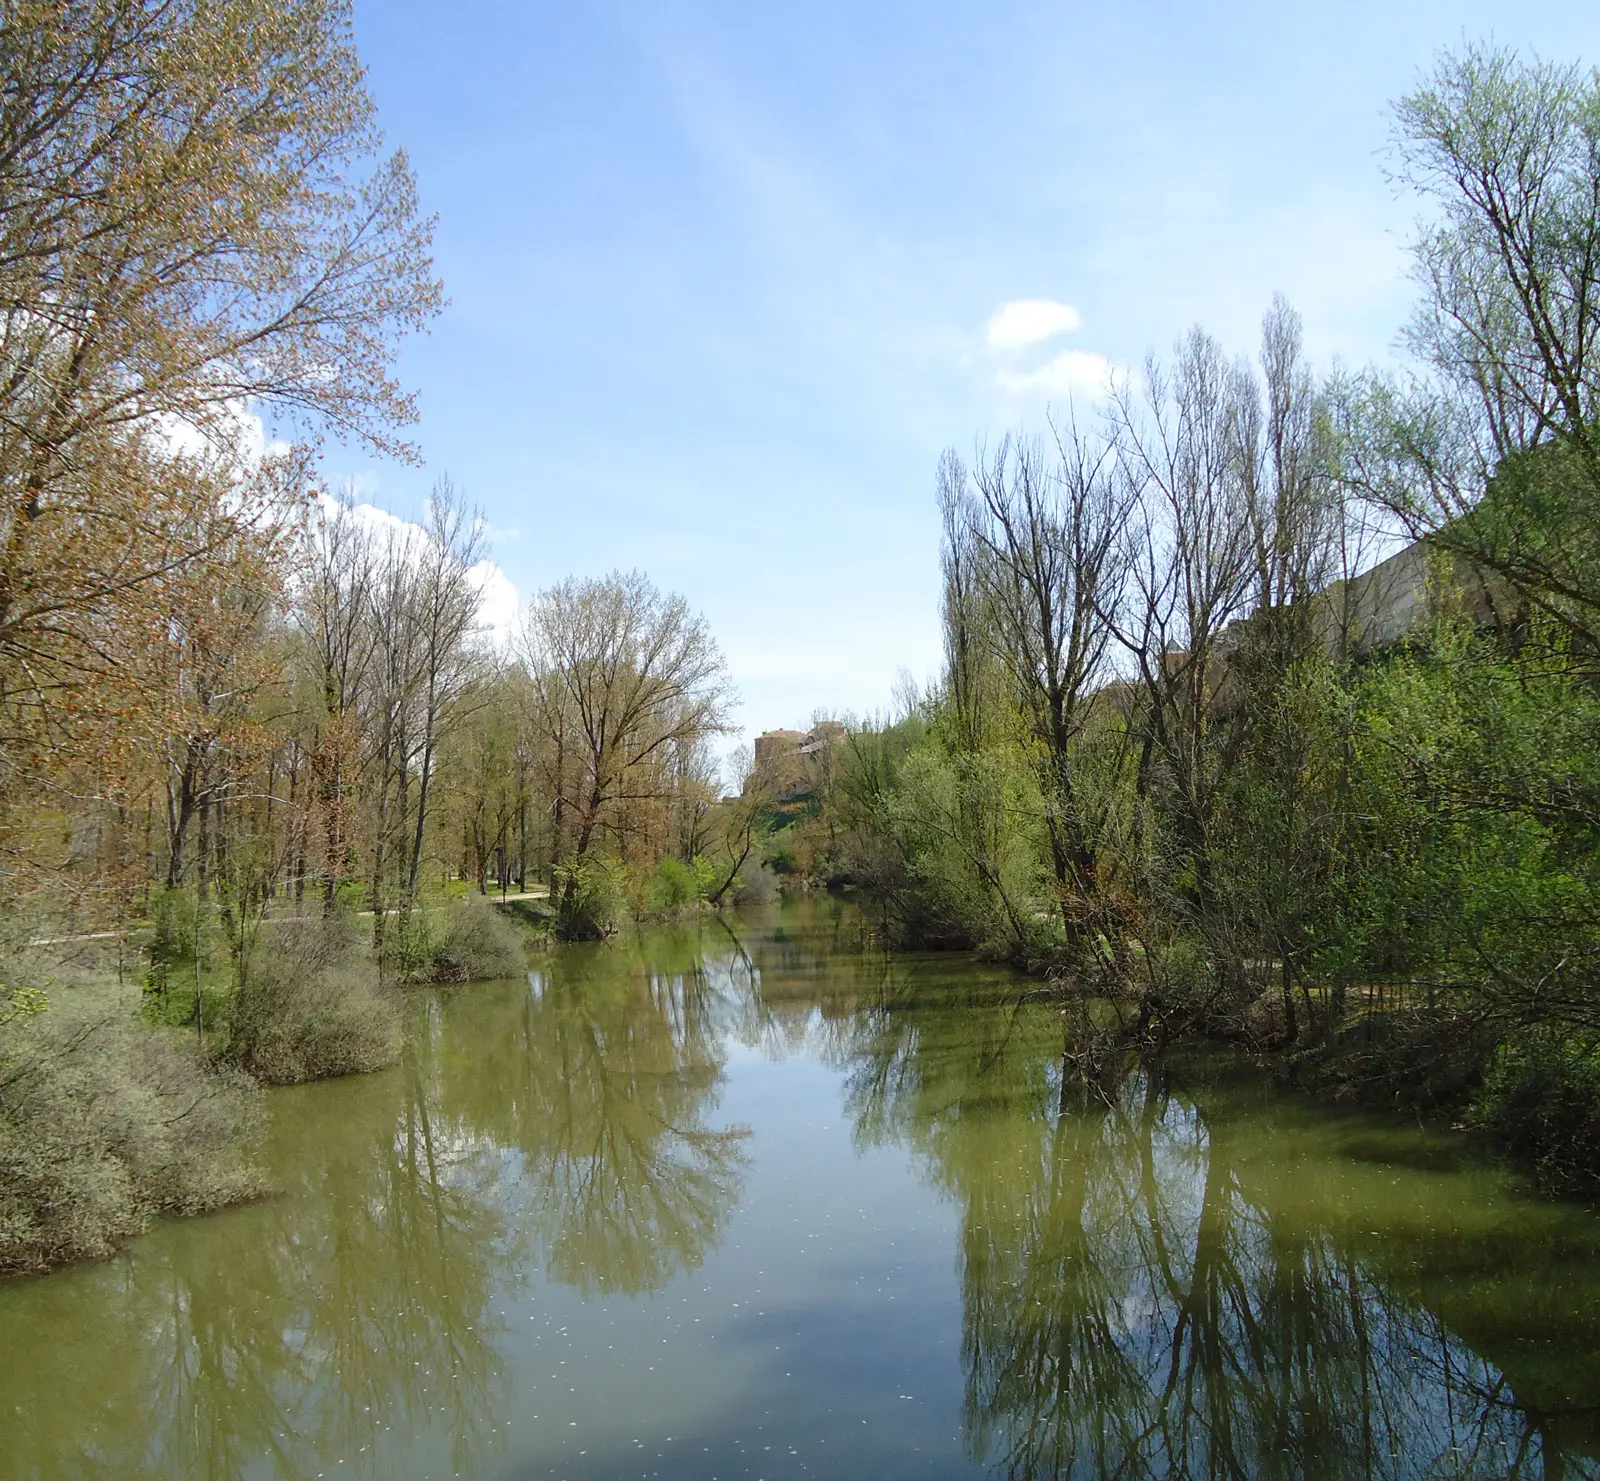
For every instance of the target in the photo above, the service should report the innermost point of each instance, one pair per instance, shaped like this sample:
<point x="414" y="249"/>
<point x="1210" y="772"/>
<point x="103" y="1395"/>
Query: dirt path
<point x="538" y="892"/>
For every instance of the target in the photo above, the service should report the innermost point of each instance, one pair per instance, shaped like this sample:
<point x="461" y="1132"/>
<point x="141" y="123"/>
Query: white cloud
<point x="232" y="432"/>
<point x="1070" y="373"/>
<point x="1029" y="321"/>
<point x="380" y="521"/>
<point x="501" y="610"/>
<point x="500" y="605"/>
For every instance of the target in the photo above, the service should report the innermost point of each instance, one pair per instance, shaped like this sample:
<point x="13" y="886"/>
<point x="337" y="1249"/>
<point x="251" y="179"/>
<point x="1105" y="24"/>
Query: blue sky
<point x="725" y="277"/>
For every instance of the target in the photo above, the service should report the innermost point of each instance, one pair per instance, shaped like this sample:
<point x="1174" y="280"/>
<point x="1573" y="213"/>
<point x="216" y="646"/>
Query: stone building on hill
<point x="789" y="764"/>
<point x="1399" y="596"/>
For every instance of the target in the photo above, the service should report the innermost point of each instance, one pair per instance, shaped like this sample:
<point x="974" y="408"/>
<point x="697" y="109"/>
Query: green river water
<point x="764" y="1202"/>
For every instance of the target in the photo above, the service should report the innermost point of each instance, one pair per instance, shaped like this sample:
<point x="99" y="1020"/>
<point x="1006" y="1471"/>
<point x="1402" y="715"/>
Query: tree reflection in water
<point x="603" y="1080"/>
<point x="1156" y="1278"/>
<point x="1142" y="1297"/>
<point x="306" y="1326"/>
<point x="560" y="1125"/>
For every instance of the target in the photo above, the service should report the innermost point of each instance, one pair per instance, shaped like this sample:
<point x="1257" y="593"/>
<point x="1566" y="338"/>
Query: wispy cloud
<point x="1031" y="321"/>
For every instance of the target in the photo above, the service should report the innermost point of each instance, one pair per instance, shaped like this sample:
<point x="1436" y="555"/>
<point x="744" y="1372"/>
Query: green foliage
<point x="310" y="1006"/>
<point x="779" y="855"/>
<point x="175" y="991"/>
<point x="589" y="898"/>
<point x="171" y="948"/>
<point x="20" y="1002"/>
<point x="1471" y="863"/>
<point x="966" y="827"/>
<point x="949" y="842"/>
<point x="105" y="1122"/>
<point x="671" y="886"/>
<point x="1400" y="857"/>
<point x="464" y="940"/>
<point x="1541" y="1102"/>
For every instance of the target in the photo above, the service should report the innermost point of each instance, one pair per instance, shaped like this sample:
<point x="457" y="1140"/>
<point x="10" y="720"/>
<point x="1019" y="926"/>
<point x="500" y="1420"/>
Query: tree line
<point x="1189" y="756"/>
<point x="213" y="675"/>
<point x="256" y="743"/>
<point x="360" y="737"/>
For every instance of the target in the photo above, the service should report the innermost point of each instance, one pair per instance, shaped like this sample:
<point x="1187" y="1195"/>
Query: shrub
<point x="757" y="885"/>
<point x="172" y="942"/>
<point x="1540" y="1100"/>
<point x="588" y="899"/>
<point x="105" y="1122"/>
<point x="672" y="886"/>
<point x="468" y="940"/>
<point x="310" y="1006"/>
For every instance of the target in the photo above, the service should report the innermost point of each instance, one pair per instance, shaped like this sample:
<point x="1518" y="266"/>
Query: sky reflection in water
<point x="770" y="1204"/>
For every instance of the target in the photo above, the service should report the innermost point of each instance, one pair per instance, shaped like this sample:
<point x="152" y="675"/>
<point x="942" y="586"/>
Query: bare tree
<point x="1192" y="560"/>
<point x="1242" y="527"/>
<point x="336" y="646"/>
<point x="1293" y="503"/>
<point x="625" y="675"/>
<point x="423" y="607"/>
<point x="968" y="657"/>
<point x="449" y="601"/>
<point x="1033" y="572"/>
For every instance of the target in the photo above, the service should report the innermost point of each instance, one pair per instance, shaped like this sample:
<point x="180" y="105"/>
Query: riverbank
<point x="122" y="1102"/>
<point x="1529" y="1092"/>
<point x="683" y="1197"/>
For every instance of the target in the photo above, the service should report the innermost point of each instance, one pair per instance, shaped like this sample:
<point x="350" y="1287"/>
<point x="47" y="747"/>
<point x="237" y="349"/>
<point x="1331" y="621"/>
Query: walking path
<point x="538" y="892"/>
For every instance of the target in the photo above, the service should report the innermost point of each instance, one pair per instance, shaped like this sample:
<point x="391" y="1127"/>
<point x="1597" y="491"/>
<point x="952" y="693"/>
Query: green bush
<point x="105" y="1122"/>
<point x="170" y="951"/>
<point x="310" y="1006"/>
<point x="588" y="898"/>
<point x="1541" y="1102"/>
<point x="468" y="940"/>
<point x="672" y="886"/>
<point x="965" y="863"/>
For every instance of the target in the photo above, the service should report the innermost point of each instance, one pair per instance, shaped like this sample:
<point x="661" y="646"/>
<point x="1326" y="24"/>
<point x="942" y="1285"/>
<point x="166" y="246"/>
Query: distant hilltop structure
<point x="1396" y="599"/>
<point x="1390" y="602"/>
<point x="789" y="764"/>
<point x="1383" y="605"/>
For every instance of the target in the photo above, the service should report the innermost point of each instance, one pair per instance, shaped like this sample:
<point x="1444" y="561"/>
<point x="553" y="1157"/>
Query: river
<point x="765" y="1202"/>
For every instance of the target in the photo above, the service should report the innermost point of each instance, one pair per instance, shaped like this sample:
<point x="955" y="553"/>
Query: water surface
<point x="768" y="1203"/>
